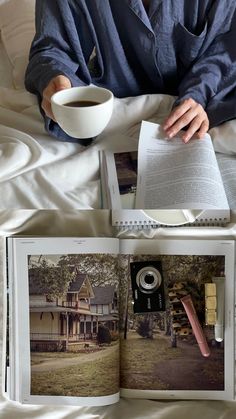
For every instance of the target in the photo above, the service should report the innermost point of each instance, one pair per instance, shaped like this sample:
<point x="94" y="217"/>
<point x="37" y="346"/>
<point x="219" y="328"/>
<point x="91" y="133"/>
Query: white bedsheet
<point x="5" y="68"/>
<point x="38" y="171"/>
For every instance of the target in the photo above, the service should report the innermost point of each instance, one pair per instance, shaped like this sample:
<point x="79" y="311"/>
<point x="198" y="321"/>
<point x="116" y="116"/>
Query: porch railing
<point x="58" y="337"/>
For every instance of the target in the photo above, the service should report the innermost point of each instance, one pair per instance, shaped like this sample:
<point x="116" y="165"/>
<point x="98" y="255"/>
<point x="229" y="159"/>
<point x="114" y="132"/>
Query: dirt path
<point x="49" y="364"/>
<point x="191" y="370"/>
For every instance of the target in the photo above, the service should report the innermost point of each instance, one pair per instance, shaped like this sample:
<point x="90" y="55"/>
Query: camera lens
<point x="148" y="279"/>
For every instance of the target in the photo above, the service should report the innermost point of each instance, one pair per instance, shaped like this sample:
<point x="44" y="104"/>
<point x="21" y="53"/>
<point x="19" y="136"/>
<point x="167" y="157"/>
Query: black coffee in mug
<point x="81" y="103"/>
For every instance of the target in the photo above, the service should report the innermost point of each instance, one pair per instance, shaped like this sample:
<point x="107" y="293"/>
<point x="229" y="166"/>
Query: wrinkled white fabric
<point x="38" y="171"/>
<point x="17" y="31"/>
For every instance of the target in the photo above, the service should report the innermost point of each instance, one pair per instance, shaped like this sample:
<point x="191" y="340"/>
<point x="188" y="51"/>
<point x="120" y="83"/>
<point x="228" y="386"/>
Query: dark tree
<point x="104" y="335"/>
<point x="144" y="327"/>
<point x="54" y="279"/>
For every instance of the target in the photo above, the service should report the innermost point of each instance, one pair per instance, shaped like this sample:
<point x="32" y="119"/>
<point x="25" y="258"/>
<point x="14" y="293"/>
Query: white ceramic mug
<point x="83" y="121"/>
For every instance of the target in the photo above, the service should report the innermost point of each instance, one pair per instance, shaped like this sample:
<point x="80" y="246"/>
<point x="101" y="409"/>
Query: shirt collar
<point x="137" y="7"/>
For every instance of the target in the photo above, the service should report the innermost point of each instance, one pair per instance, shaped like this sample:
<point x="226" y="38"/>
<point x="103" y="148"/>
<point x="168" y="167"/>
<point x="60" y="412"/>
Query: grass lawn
<point x="39" y="357"/>
<point x="139" y="359"/>
<point x="92" y="378"/>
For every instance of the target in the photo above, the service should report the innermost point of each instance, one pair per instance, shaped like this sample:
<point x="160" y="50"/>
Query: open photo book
<point x="164" y="174"/>
<point x="90" y="320"/>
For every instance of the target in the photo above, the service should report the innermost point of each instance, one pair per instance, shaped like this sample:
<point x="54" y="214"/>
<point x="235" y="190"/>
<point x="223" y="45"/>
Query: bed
<point x="38" y="171"/>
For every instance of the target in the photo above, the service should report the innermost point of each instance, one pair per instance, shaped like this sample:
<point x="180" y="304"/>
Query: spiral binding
<point x="151" y="224"/>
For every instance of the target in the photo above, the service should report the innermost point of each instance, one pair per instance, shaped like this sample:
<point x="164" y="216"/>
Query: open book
<point x="163" y="174"/>
<point x="91" y="320"/>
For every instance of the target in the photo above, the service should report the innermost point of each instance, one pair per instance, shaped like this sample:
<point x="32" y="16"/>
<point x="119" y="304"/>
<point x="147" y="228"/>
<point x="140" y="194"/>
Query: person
<point x="182" y="48"/>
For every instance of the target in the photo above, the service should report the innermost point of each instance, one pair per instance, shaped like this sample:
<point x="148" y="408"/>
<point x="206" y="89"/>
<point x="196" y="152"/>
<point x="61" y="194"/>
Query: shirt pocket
<point x="188" y="44"/>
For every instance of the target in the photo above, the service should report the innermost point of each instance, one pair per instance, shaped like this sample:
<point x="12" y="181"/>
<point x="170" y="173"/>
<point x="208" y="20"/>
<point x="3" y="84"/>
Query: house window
<point x="88" y="327"/>
<point x="94" y="327"/>
<point x="105" y="309"/>
<point x="71" y="324"/>
<point x="61" y="325"/>
<point x="69" y="297"/>
<point x="99" y="308"/>
<point x="93" y="308"/>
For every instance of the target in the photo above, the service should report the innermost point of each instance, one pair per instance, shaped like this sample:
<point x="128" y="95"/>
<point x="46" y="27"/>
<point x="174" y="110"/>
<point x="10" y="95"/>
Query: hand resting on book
<point x="188" y="114"/>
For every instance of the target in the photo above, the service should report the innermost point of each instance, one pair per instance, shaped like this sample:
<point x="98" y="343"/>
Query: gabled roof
<point x="103" y="295"/>
<point x="76" y="285"/>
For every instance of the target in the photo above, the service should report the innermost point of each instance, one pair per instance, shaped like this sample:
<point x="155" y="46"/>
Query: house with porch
<point x="65" y="322"/>
<point x="105" y="305"/>
<point x="57" y="323"/>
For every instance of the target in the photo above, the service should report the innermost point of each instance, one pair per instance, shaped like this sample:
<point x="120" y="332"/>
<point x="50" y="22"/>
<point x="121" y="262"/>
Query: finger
<point x="182" y="122"/>
<point x="46" y="106"/>
<point x="177" y="113"/>
<point x="193" y="128"/>
<point x="61" y="83"/>
<point x="48" y="92"/>
<point x="203" y="129"/>
<point x="56" y="84"/>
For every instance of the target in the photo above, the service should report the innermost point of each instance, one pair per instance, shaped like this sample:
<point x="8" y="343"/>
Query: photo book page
<point x="177" y="319"/>
<point x="63" y="321"/>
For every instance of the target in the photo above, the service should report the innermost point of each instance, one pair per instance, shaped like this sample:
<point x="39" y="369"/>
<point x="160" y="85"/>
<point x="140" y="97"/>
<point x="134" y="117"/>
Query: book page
<point x="67" y="320"/>
<point x="175" y="175"/>
<point x="227" y="165"/>
<point x="164" y="354"/>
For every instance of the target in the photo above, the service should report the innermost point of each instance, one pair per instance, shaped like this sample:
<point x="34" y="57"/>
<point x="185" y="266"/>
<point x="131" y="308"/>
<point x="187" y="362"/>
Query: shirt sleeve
<point x="56" y="48"/>
<point x="210" y="73"/>
<point x="213" y="74"/>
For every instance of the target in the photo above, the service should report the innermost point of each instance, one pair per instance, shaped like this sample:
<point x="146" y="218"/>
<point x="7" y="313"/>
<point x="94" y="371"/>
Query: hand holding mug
<point x="55" y="85"/>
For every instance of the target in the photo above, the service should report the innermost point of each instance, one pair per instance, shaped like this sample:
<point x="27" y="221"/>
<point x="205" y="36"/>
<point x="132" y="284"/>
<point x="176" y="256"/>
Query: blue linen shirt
<point x="180" y="47"/>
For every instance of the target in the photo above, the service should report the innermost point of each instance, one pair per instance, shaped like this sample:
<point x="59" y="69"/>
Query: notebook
<point x="163" y="174"/>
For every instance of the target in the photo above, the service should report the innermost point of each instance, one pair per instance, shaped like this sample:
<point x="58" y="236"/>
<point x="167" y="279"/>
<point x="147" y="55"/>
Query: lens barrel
<point x="148" y="279"/>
